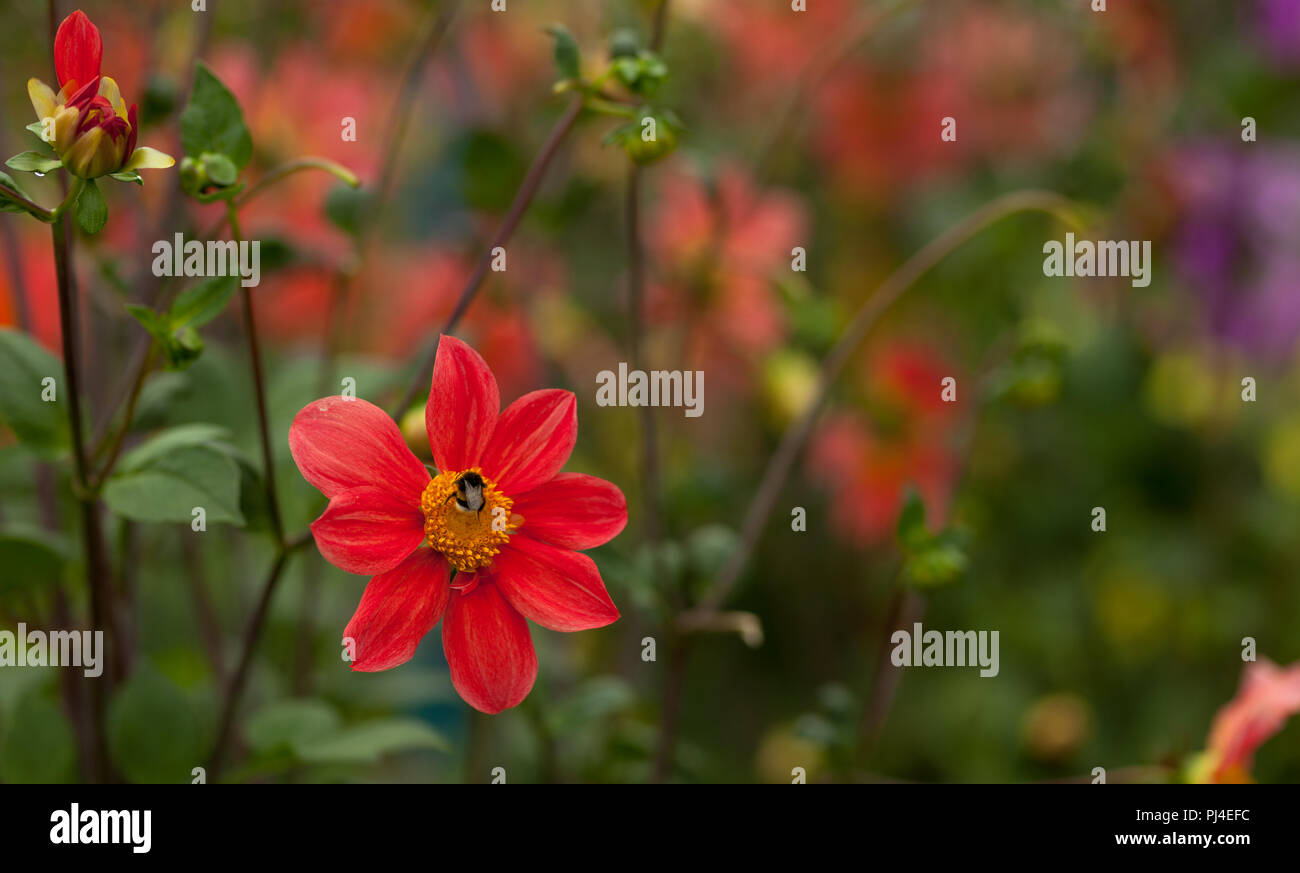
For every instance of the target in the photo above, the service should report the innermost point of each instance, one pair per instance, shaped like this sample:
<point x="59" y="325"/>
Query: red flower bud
<point x="87" y="121"/>
<point x="78" y="51"/>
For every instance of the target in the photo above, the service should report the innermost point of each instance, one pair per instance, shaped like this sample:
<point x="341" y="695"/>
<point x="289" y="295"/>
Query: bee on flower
<point x="499" y="514"/>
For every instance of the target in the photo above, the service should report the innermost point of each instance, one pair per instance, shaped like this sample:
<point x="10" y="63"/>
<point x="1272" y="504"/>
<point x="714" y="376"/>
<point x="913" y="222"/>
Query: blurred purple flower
<point x="1279" y="30"/>
<point x="1238" y="242"/>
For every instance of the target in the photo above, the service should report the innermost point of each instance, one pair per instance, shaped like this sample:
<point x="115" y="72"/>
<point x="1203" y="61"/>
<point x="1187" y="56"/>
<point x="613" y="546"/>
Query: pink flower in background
<point x="1268" y="696"/>
<point x="768" y="45"/>
<point x="1237" y="242"/>
<point x="716" y="250"/>
<point x="1278" y="25"/>
<point x="868" y="464"/>
<point x="1005" y="75"/>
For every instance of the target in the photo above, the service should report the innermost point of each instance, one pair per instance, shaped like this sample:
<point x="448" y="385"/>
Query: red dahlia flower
<point x="499" y="513"/>
<point x="87" y="122"/>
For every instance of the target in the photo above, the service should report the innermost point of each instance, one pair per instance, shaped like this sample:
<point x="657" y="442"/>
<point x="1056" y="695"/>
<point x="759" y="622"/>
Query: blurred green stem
<point x="524" y="197"/>
<point x="868" y="314"/>
<point x="102" y="612"/>
<point x="253" y="633"/>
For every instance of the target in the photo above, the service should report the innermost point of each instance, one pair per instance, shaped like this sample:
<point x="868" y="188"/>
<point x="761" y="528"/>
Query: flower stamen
<point x="469" y="539"/>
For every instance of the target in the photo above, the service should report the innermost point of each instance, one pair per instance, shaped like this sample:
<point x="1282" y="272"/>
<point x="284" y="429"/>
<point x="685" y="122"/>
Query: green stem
<point x="74" y="191"/>
<point x="49" y="216"/>
<point x="797" y="434"/>
<point x="259" y="390"/>
<point x="102" y="614"/>
<point x="115" y="448"/>
<point x="283" y="548"/>
<point x="283" y="171"/>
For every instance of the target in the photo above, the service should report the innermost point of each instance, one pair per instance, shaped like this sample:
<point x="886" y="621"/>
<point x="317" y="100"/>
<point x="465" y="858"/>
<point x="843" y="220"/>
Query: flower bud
<point x="94" y="133"/>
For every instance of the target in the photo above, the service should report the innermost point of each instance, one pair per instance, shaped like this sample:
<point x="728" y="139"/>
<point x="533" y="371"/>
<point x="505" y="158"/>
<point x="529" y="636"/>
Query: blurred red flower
<point x="1268" y="696"/>
<point x="31" y="270"/>
<point x="867" y="465"/>
<point x="1007" y="76"/>
<point x="714" y="251"/>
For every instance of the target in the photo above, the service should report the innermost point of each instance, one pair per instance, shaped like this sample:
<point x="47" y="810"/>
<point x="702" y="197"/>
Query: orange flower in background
<point x="767" y="44"/>
<point x="715" y="249"/>
<point x="867" y="465"/>
<point x="1005" y="75"/>
<point x="33" y="270"/>
<point x="1267" y="697"/>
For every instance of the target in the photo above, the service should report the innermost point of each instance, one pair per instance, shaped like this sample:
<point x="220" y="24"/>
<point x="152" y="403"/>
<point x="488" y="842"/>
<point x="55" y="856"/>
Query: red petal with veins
<point x="463" y="406"/>
<point x="78" y="50"/>
<point x="489" y="651"/>
<point x="573" y="510"/>
<point x="557" y="588"/>
<point x="397" y="610"/>
<point x="532" y="441"/>
<point x="340" y="444"/>
<point x="368" y="530"/>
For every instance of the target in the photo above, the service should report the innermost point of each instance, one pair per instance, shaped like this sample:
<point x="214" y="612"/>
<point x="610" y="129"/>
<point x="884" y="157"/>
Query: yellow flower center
<point x="468" y="535"/>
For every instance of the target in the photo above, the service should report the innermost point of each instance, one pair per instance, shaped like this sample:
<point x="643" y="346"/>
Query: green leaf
<point x="92" y="211"/>
<point x="219" y="168"/>
<point x="41" y="425"/>
<point x="624" y="43"/>
<point x="212" y="436"/>
<point x="595" y="699"/>
<point x="129" y="176"/>
<point x="32" y="559"/>
<point x="289" y="724"/>
<point x="178" y="356"/>
<point x="38" y="746"/>
<point x="167" y="477"/>
<point x="150" y="320"/>
<point x="940" y="562"/>
<point x="709" y="547"/>
<point x="213" y="121"/>
<point x="346" y="206"/>
<point x="912" y="533"/>
<point x="367" y="743"/>
<point x="567" y="60"/>
<point x="153" y="733"/>
<point x="199" y="304"/>
<point x="33" y="162"/>
<point x="7" y="204"/>
<point x="38" y="128"/>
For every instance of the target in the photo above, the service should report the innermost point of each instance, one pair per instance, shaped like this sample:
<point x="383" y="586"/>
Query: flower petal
<point x="43" y="100"/>
<point x="145" y="158"/>
<point x="108" y="90"/>
<point x="463" y="406"/>
<point x="557" y="588"/>
<point x="489" y="650"/>
<point x="397" y="609"/>
<point x="78" y="49"/>
<point x="368" y="530"/>
<point x="341" y="443"/>
<point x="573" y="510"/>
<point x="532" y="441"/>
